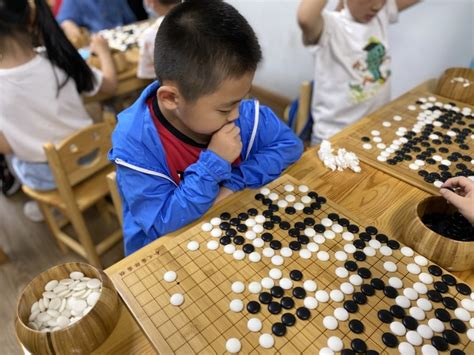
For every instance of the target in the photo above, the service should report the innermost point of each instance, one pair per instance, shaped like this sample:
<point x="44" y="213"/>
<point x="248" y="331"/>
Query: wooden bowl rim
<point x="418" y="219"/>
<point x="18" y="318"/>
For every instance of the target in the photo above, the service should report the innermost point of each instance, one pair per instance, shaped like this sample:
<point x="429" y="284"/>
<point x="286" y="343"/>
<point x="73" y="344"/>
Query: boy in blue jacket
<point x="190" y="139"/>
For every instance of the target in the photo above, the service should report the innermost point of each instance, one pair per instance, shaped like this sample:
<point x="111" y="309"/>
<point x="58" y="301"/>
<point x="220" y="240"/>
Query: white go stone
<point x="417" y="313"/>
<point x="390" y="266"/>
<point x="177" y="299"/>
<point x="277" y="260"/>
<point x="286" y="252"/>
<point x="395" y="282"/>
<point x="369" y="251"/>
<point x="462" y="314"/>
<point x="407" y="251"/>
<point x="303" y="188"/>
<point x="356" y="280"/>
<point x="336" y="296"/>
<point x="342" y="272"/>
<point x="298" y="206"/>
<point x="76" y="275"/>
<point x="398" y="328"/>
<point x="470" y="334"/>
<point x="306" y="199"/>
<point x="340" y="255"/>
<point x="267" y="283"/>
<point x="329" y="234"/>
<point x="212" y="244"/>
<point x="239" y="255"/>
<point x="305" y="254"/>
<point x="260" y="219"/>
<point x="326" y="222"/>
<point x="322" y="296"/>
<point x="341" y="314"/>
<point x="436" y="325"/>
<point x="335" y="343"/>
<point x="206" y="227"/>
<point x="348" y="236"/>
<point x="254" y="325"/>
<point x="236" y="305"/>
<point x="385" y="250"/>
<point x="266" y="341"/>
<point x="273" y="196"/>
<point x="425" y="331"/>
<point x="286" y="283"/>
<point x="322" y="255"/>
<point x="233" y="345"/>
<point x="337" y="228"/>
<point x="425" y="278"/>
<point x="403" y="301"/>
<point x="347" y="288"/>
<point x="51" y="285"/>
<point x="374" y="243"/>
<point x="312" y="247"/>
<point x="238" y="287"/>
<point x="290" y="198"/>
<point x="330" y="322"/>
<point x="309" y="232"/>
<point x="410" y="293"/>
<point x="310" y="302"/>
<point x="326" y="351"/>
<point x="282" y="204"/>
<point x="193" y="245"/>
<point x="170" y="276"/>
<point x="429" y="349"/>
<point x="319" y="239"/>
<point x="216" y="221"/>
<point x="289" y="188"/>
<point x="413" y="269"/>
<point x="421" y="260"/>
<point x="255" y="287"/>
<point x="268" y="252"/>
<point x="350" y="248"/>
<point x="229" y="249"/>
<point x="265" y="191"/>
<point x="424" y="304"/>
<point x="414" y="338"/>
<point x="468" y="304"/>
<point x="406" y="348"/>
<point x="250" y="222"/>
<point x="275" y="274"/>
<point x="255" y="257"/>
<point x="258" y="228"/>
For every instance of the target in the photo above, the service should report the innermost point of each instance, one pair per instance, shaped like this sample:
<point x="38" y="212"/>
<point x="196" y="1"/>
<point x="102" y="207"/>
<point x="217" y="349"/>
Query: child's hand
<point x="99" y="45"/>
<point x="463" y="198"/>
<point x="226" y="142"/>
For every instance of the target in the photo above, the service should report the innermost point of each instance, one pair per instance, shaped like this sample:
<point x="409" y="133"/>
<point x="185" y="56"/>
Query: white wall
<point x="429" y="37"/>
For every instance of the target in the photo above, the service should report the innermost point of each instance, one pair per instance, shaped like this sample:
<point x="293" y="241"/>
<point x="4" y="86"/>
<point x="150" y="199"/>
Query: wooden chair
<point x="79" y="165"/>
<point x="3" y="256"/>
<point x="114" y="192"/>
<point x="304" y="107"/>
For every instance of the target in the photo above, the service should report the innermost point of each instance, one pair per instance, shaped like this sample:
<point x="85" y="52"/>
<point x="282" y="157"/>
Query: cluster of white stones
<point x="64" y="302"/>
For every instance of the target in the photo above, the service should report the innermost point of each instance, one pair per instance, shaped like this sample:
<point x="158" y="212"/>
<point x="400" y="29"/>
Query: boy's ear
<point x="168" y="96"/>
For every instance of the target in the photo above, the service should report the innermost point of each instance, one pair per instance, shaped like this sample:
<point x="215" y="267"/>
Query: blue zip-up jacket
<point x="153" y="205"/>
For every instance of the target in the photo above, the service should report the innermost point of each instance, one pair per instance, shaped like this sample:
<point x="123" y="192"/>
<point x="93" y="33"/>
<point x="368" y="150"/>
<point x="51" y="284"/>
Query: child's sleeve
<point x="159" y="207"/>
<point x="275" y="148"/>
<point x="127" y="13"/>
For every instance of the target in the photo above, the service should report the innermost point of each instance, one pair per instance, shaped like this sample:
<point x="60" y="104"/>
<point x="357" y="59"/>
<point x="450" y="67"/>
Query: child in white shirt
<point x="146" y="42"/>
<point x="352" y="59"/>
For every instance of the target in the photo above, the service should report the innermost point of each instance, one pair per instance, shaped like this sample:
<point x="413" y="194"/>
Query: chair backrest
<point x="82" y="154"/>
<point x="114" y="192"/>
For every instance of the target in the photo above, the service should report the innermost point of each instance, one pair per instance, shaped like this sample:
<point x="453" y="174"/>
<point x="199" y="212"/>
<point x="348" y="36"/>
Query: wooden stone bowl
<point x="83" y="336"/>
<point x="451" y="254"/>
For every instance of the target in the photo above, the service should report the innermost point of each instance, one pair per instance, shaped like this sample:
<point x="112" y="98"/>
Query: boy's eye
<point x="225" y="111"/>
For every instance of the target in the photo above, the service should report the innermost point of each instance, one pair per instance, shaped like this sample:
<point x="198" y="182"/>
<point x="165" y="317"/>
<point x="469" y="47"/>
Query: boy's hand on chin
<point x="226" y="142"/>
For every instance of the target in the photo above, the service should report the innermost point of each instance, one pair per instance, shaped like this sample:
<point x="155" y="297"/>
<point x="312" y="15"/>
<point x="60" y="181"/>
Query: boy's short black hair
<point x="203" y="42"/>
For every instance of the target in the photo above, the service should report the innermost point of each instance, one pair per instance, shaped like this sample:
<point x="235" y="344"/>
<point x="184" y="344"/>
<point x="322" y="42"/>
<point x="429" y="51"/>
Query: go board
<point x="283" y="270"/>
<point x="420" y="138"/>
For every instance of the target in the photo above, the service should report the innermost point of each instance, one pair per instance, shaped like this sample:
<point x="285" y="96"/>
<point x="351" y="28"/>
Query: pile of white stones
<point x="64" y="302"/>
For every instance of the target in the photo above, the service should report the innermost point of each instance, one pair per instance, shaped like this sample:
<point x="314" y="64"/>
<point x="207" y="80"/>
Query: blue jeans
<point x="37" y="176"/>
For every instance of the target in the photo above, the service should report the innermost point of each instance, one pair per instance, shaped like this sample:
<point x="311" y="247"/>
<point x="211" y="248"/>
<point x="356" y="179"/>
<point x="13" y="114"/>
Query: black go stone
<point x="351" y="306"/>
<point x="344" y="222"/>
<point x="225" y="240"/>
<point x="265" y="298"/>
<point x="347" y="352"/>
<point x="279" y="329"/>
<point x="284" y="225"/>
<point x="252" y="212"/>
<point x="242" y="228"/>
<point x="359" y="244"/>
<point x="353" y="228"/>
<point x="364" y="273"/>
<point x="267" y="201"/>
<point x="295" y="245"/>
<point x="367" y="290"/>
<point x="350" y="265"/>
<point x="385" y="316"/>
<point x="276" y="219"/>
<point x="239" y="240"/>
<point x="382" y="238"/>
<point x="299" y="292"/>
<point x="463" y="289"/>
<point x="371" y="230"/>
<point x="390" y="340"/>
<point x="303" y="239"/>
<point x="313" y="194"/>
<point x="273" y="208"/>
<point x="267" y="237"/>
<point x="275" y="244"/>
<point x="253" y="307"/>
<point x="449" y="279"/>
<point x="397" y="311"/>
<point x="434" y="296"/>
<point x="365" y="236"/>
<point x="393" y="244"/>
<point x="225" y="216"/>
<point x="303" y="313"/>
<point x="300" y="226"/>
<point x="308" y="210"/>
<point x="442" y="314"/>
<point x="321" y="200"/>
<point x="435" y="270"/>
<point x="288" y="319"/>
<point x="440" y="287"/>
<point x="231" y="233"/>
<point x="315" y="205"/>
<point x="309" y="221"/>
<point x="358" y="345"/>
<point x="224" y="225"/>
<point x="235" y="221"/>
<point x="458" y="325"/>
<point x="359" y="255"/>
<point x="451" y="336"/>
<point x="410" y="323"/>
<point x="372" y="352"/>
<point x="439" y="343"/>
<point x="378" y="284"/>
<point x="319" y="228"/>
<point x="248" y="248"/>
<point x="274" y="307"/>
<point x="290" y="210"/>
<point x="333" y="217"/>
<point x="268" y="225"/>
<point x="457" y="352"/>
<point x="287" y="302"/>
<point x="267" y="214"/>
<point x="259" y="197"/>
<point x="296" y="275"/>
<point x="390" y="292"/>
<point x="277" y="291"/>
<point x="359" y="298"/>
<point x="356" y="326"/>
<point x="293" y="232"/>
<point x="450" y="303"/>
<point x="243" y="216"/>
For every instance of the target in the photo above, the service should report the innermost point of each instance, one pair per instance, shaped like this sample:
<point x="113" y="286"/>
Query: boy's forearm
<point x="109" y="84"/>
<point x="310" y="19"/>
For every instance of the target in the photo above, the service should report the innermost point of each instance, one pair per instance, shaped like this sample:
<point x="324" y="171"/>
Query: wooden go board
<point x="204" y="322"/>
<point x="423" y="151"/>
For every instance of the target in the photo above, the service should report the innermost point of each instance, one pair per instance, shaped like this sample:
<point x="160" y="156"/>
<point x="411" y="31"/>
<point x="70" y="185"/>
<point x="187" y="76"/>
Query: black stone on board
<point x="279" y="329"/>
<point x="440" y="287"/>
<point x="296" y="275"/>
<point x="265" y="297"/>
<point x="410" y="323"/>
<point x="458" y="325"/>
<point x="385" y="316"/>
<point x="364" y="273"/>
<point x="253" y="307"/>
<point x="435" y="270"/>
<point x="275" y="244"/>
<point x="303" y="313"/>
<point x="350" y="265"/>
<point x="390" y="292"/>
<point x="248" y="248"/>
<point x="439" y="343"/>
<point x="287" y="302"/>
<point x="358" y="345"/>
<point x="356" y="326"/>
<point x="274" y="307"/>
<point x="351" y="306"/>
<point x="451" y="336"/>
<point x="434" y="296"/>
<point x="377" y="283"/>
<point x="450" y="303"/>
<point x="359" y="298"/>
<point x="442" y="314"/>
<point x="397" y="311"/>
<point x="390" y="340"/>
<point x="288" y="319"/>
<point x="277" y="291"/>
<point x="463" y="289"/>
<point x="299" y="292"/>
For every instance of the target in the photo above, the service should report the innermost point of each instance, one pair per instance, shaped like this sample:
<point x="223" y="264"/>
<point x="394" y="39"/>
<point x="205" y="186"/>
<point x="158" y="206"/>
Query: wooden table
<point x="372" y="195"/>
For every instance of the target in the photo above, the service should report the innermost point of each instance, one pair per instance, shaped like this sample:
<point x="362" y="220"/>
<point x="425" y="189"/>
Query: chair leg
<point x="84" y="236"/>
<point x="51" y="222"/>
